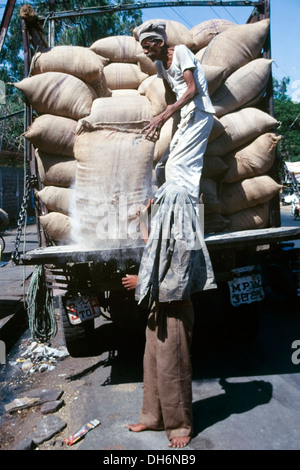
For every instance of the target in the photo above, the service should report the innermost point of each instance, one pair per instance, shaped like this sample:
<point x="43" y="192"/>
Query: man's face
<point x="152" y="49"/>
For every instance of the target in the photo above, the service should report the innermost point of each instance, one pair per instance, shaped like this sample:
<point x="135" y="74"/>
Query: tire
<point x="78" y="338"/>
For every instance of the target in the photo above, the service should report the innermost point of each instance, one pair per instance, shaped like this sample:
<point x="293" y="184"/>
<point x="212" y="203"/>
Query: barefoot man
<point x="174" y="265"/>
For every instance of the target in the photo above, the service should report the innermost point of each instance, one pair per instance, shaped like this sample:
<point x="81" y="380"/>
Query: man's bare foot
<point x="179" y="441"/>
<point x="136" y="427"/>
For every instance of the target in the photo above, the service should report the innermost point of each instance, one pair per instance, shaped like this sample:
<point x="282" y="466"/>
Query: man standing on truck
<point x="185" y="82"/>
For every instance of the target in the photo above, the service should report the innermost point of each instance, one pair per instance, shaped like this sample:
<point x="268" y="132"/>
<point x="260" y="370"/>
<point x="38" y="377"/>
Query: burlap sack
<point x="118" y="48"/>
<point x="113" y="178"/>
<point x="246" y="193"/>
<point x="153" y="88"/>
<point x="249" y="219"/>
<point x="214" y="77"/>
<point x="240" y="128"/>
<point x="244" y="88"/>
<point x="121" y="75"/>
<point x="252" y="160"/>
<point x="204" y="32"/>
<point x="124" y="92"/>
<point x="56" y="199"/>
<point x="74" y="60"/>
<point x="58" y="93"/>
<point x="214" y="167"/>
<point x="200" y="55"/>
<point x="146" y="65"/>
<point x="217" y="129"/>
<point x="236" y="46"/>
<point x="122" y="108"/>
<point x="52" y="134"/>
<point x="57" y="227"/>
<point x="215" y="223"/>
<point x="166" y="133"/>
<point x="177" y="33"/>
<point x="56" y="170"/>
<point x="209" y="195"/>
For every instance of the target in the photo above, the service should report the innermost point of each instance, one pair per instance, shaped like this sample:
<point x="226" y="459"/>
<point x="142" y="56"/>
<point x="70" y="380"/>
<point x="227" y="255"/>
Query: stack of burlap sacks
<point x="96" y="166"/>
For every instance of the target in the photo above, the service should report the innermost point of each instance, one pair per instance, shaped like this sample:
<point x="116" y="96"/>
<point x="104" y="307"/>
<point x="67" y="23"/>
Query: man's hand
<point x="130" y="281"/>
<point x="152" y="130"/>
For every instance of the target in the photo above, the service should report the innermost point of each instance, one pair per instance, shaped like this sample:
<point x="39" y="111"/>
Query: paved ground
<point x="245" y="396"/>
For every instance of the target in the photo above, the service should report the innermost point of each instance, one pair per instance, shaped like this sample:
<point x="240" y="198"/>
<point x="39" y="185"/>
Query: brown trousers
<point x="167" y="400"/>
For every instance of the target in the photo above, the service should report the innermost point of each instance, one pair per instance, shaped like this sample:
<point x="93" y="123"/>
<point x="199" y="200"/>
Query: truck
<point x="249" y="265"/>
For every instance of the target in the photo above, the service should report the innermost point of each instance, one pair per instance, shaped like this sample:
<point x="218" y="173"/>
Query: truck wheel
<point x="78" y="338"/>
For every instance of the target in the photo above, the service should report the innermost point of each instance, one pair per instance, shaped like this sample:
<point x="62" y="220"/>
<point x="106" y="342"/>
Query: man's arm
<point x="153" y="128"/>
<point x="130" y="280"/>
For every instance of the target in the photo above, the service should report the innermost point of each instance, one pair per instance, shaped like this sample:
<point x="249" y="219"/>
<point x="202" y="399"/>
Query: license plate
<point x="81" y="309"/>
<point x="246" y="289"/>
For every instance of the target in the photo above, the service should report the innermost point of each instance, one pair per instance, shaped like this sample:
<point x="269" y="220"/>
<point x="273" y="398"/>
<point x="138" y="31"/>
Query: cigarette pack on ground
<point x="81" y="432"/>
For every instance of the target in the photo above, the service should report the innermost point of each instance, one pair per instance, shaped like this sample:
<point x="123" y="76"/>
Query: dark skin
<point x="158" y="50"/>
<point x="130" y="283"/>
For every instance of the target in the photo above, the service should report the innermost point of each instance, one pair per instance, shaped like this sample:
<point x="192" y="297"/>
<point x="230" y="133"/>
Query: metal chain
<point x="31" y="181"/>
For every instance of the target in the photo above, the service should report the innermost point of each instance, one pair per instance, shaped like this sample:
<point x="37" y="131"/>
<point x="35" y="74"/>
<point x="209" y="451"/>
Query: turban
<point x="156" y="29"/>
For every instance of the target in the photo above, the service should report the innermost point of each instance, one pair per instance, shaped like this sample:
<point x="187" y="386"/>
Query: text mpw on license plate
<point x="246" y="289"/>
<point x="80" y="309"/>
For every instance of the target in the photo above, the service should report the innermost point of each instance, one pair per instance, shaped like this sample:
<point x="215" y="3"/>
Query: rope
<point x="40" y="308"/>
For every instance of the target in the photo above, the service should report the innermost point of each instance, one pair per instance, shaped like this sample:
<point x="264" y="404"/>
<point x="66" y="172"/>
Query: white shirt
<point x="184" y="59"/>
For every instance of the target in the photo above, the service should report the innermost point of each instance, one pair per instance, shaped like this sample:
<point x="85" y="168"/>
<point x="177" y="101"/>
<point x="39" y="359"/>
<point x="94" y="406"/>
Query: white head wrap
<point x="153" y="29"/>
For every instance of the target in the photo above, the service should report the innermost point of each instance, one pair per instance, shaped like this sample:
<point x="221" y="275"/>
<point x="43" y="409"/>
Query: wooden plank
<point x="251" y="237"/>
<point x="60" y="255"/>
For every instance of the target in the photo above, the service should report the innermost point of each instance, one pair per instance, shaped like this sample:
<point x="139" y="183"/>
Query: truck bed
<point x="60" y="255"/>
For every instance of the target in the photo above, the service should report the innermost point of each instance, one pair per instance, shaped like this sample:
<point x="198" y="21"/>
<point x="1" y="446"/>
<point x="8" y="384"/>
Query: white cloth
<point x="153" y="29"/>
<point x="183" y="161"/>
<point x="184" y="59"/>
<point x="175" y="261"/>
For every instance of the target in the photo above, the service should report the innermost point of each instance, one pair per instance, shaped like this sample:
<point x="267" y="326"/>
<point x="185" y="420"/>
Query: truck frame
<point x="247" y="264"/>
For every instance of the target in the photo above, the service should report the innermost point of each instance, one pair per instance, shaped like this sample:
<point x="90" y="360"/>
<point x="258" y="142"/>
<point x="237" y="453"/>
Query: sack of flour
<point x="118" y="48"/>
<point x="236" y="46"/>
<point x="56" y="199"/>
<point x="52" y="134"/>
<point x="251" y="160"/>
<point x="57" y="228"/>
<point x="55" y="170"/>
<point x="240" y="127"/>
<point x="58" y="93"/>
<point x="204" y="32"/>
<point x="246" y="193"/>
<point x="73" y="60"/>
